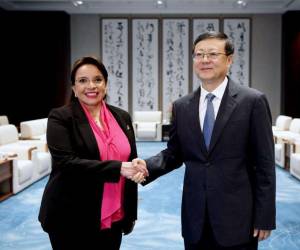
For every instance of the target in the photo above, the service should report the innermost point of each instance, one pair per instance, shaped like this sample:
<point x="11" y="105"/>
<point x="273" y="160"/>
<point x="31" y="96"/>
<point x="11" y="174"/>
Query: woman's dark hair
<point x="88" y="60"/>
<point x="229" y="47"/>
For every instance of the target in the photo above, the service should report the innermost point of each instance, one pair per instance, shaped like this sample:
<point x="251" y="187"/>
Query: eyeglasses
<point x="85" y="80"/>
<point x="210" y="55"/>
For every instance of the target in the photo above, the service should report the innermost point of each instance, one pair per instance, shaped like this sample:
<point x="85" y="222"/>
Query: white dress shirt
<point x="218" y="93"/>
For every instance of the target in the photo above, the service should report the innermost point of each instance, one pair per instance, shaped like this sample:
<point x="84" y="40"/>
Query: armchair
<point x="27" y="171"/>
<point x="29" y="163"/>
<point x="9" y="141"/>
<point x="295" y="160"/>
<point x="282" y="123"/>
<point x="147" y="125"/>
<point x="23" y="172"/>
<point x="284" y="140"/>
<point x="3" y="120"/>
<point x="34" y="129"/>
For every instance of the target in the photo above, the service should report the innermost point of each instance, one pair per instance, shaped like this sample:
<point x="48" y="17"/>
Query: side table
<point x="165" y="131"/>
<point x="5" y="178"/>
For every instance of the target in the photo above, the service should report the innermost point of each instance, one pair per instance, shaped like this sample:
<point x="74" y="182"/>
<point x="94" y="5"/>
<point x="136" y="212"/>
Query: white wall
<point x="85" y="36"/>
<point x="266" y="58"/>
<point x="265" y="50"/>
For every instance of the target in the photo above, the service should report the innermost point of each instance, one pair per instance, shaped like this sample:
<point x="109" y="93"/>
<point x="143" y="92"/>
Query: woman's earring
<point x="75" y="94"/>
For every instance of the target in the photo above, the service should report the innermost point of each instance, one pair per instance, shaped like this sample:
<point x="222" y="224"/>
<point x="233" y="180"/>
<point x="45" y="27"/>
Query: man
<point x="222" y="132"/>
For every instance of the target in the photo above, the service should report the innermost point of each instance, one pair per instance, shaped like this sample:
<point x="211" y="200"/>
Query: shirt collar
<point x="218" y="92"/>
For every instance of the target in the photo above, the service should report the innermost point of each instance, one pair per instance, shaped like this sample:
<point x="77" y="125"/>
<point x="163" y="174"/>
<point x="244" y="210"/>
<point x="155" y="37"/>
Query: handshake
<point x="135" y="170"/>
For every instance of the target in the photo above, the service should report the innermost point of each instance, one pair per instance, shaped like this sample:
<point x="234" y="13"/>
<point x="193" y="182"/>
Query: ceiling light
<point x="241" y="3"/>
<point x="160" y="4"/>
<point x="77" y="3"/>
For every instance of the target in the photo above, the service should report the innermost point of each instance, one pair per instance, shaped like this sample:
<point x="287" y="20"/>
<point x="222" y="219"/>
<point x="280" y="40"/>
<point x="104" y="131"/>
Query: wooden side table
<point x="5" y="179"/>
<point x="289" y="147"/>
<point x="165" y="131"/>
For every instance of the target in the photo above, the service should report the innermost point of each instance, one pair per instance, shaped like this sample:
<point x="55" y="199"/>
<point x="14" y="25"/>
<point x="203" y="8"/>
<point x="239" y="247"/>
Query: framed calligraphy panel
<point x="145" y="64"/>
<point x="238" y="30"/>
<point x="175" y="53"/>
<point x="115" y="59"/>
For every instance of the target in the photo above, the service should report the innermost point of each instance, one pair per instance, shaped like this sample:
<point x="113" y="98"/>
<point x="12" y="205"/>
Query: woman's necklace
<point x="97" y="122"/>
<point x="96" y="117"/>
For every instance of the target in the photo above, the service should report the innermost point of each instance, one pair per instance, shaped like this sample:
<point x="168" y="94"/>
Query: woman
<point x="87" y="203"/>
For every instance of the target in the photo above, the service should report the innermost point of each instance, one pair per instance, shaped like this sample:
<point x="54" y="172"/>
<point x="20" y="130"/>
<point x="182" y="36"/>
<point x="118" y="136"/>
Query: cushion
<point x="8" y="134"/>
<point x="295" y="125"/>
<point x="43" y="159"/>
<point x="22" y="150"/>
<point x="3" y="120"/>
<point x="25" y="170"/>
<point x="146" y="129"/>
<point x="147" y="116"/>
<point x="295" y="164"/>
<point x="278" y="149"/>
<point x="283" y="122"/>
<point x="33" y="128"/>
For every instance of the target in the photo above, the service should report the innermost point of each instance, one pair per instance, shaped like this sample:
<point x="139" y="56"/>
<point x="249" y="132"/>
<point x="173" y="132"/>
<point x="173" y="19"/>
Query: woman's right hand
<point x="134" y="171"/>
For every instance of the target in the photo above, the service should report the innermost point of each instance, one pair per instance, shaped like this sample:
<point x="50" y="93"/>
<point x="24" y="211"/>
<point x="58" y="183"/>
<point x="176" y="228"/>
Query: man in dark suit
<point x="222" y="132"/>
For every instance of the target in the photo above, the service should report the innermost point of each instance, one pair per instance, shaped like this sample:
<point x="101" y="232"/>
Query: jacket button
<point x="207" y="164"/>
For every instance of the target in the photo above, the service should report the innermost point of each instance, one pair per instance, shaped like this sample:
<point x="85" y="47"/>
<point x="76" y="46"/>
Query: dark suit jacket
<point x="73" y="195"/>
<point x="235" y="178"/>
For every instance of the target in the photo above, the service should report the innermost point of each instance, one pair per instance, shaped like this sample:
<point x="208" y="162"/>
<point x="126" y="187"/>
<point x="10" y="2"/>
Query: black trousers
<point x="107" y="239"/>
<point x="208" y="241"/>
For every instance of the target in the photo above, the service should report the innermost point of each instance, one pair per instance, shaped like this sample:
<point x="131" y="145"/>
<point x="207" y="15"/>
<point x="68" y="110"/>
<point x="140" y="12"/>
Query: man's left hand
<point x="261" y="234"/>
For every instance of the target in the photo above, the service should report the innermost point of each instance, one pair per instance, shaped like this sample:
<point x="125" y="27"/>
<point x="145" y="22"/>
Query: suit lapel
<point x="126" y="126"/>
<point x="227" y="106"/>
<point x="193" y="113"/>
<point x="85" y="130"/>
<point x="121" y="121"/>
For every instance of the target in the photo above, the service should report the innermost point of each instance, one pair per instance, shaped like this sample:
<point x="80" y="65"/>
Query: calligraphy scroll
<point x="145" y="64"/>
<point x="175" y="62"/>
<point x="115" y="59"/>
<point x="238" y="30"/>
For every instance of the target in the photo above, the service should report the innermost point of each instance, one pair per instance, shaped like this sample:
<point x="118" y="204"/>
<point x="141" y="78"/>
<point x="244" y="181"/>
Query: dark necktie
<point x="209" y="119"/>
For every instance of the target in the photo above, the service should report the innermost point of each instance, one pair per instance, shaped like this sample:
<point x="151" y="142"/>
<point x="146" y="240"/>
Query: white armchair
<point x="284" y="140"/>
<point x="9" y="141"/>
<point x="282" y="123"/>
<point x="23" y="172"/>
<point x="34" y="129"/>
<point x="29" y="163"/>
<point x="42" y="162"/>
<point x="27" y="171"/>
<point x="3" y="120"/>
<point x="295" y="160"/>
<point x="147" y="125"/>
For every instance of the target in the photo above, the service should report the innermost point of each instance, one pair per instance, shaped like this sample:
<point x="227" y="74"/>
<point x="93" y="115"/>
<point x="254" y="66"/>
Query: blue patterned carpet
<point x="158" y="227"/>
